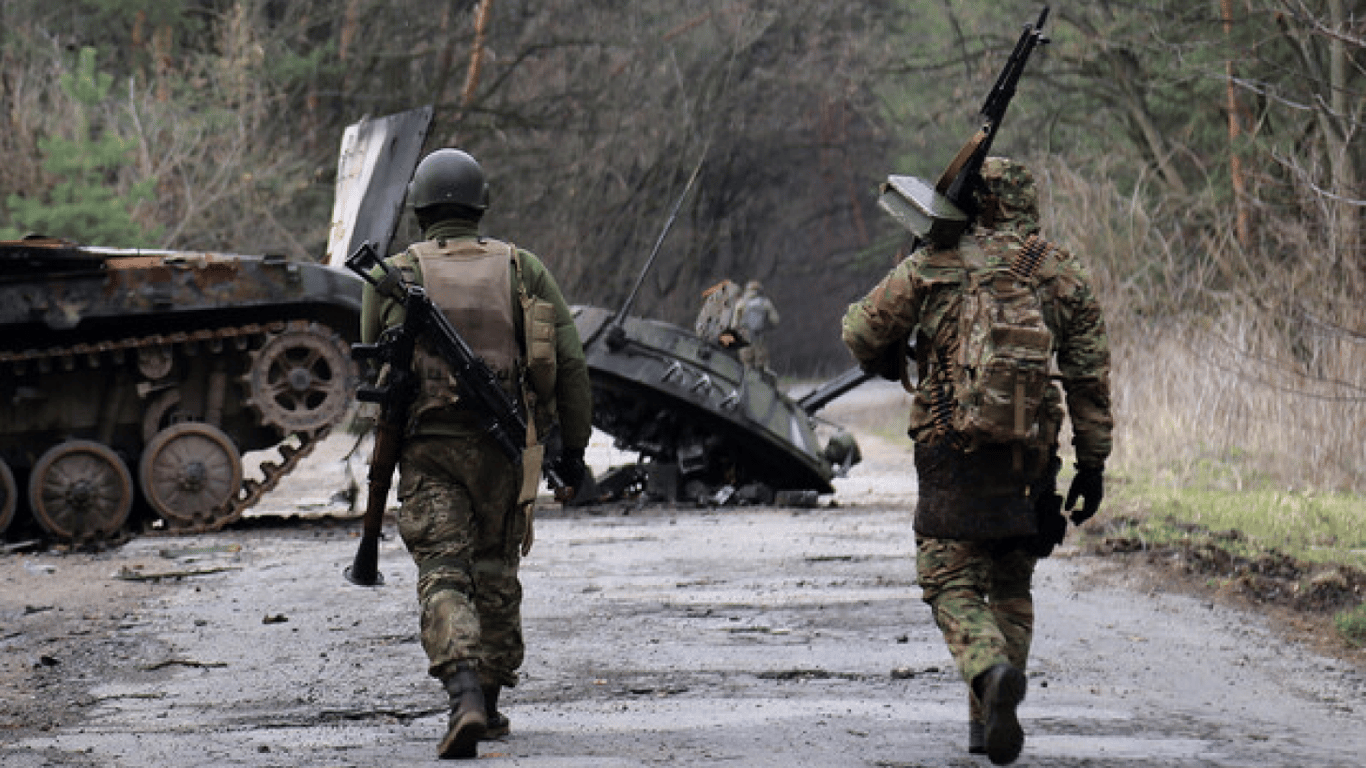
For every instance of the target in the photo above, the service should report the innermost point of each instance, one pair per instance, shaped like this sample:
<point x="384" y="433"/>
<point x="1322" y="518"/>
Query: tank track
<point x="43" y="359"/>
<point x="252" y="489"/>
<point x="124" y="351"/>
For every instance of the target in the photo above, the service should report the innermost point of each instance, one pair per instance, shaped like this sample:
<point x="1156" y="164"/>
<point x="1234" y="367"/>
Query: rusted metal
<point x="198" y="356"/>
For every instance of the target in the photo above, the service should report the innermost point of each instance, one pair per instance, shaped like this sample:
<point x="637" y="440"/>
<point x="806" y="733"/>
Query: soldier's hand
<point x="571" y="469"/>
<point x="1089" y="486"/>
<point x="888" y="364"/>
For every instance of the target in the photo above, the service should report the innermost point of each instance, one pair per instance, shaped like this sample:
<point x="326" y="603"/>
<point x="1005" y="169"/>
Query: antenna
<point x="630" y="299"/>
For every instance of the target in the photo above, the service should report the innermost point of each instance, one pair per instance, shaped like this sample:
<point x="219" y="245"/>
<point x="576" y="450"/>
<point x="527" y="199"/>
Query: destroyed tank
<point x="132" y="383"/>
<point x="708" y="428"/>
<point x="137" y="379"/>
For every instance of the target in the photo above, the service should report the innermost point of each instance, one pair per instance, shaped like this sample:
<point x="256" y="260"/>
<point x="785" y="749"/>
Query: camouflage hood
<point x="1010" y="200"/>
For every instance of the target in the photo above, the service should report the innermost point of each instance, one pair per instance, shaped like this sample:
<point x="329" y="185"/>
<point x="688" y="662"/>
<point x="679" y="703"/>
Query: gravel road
<point x="657" y="636"/>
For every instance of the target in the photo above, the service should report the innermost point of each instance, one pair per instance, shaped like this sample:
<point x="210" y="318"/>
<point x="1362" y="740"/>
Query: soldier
<point x="755" y="316"/>
<point x="978" y="530"/>
<point x="461" y="517"/>
<point x="716" y="320"/>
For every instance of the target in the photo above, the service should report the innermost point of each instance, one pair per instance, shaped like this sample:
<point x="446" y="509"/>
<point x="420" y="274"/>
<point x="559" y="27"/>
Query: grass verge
<point x="1300" y="550"/>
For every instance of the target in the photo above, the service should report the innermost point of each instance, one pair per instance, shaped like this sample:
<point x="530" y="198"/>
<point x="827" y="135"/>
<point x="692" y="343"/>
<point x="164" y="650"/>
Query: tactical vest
<point x="755" y="315"/>
<point x="542" y="357"/>
<point x="470" y="281"/>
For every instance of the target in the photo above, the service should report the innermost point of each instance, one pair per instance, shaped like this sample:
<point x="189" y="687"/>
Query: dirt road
<point x="748" y="637"/>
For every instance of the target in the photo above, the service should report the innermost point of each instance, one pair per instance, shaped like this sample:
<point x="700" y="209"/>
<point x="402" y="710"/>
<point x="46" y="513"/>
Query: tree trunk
<point x="1347" y="213"/>
<point x="481" y="23"/>
<point x="1242" y="226"/>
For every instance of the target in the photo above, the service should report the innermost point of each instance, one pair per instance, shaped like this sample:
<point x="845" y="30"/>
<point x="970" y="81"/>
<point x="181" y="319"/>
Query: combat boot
<point x="499" y="726"/>
<point x="1001" y="689"/>
<point x="468" y="720"/>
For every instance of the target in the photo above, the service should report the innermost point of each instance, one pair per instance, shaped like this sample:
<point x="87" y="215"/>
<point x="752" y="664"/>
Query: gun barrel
<point x="824" y="394"/>
<point x="956" y="181"/>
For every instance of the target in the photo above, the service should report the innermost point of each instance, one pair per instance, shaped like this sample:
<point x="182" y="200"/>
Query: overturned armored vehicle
<point x="132" y="382"/>
<point x="707" y="428"/>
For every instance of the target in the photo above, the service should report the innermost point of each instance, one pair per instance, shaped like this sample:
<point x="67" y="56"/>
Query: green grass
<point x="1319" y="527"/>
<point x="1327" y="529"/>
<point x="1352" y="625"/>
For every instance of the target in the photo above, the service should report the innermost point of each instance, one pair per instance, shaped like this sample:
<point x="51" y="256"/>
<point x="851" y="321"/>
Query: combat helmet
<point x="1012" y="186"/>
<point x="449" y="177"/>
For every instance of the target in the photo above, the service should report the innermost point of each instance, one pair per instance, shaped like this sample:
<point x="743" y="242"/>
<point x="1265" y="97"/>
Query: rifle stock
<point x="364" y="570"/>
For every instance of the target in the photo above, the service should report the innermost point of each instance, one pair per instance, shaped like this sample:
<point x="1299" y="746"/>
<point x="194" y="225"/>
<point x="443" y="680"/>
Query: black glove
<point x="888" y="364"/>
<point x="1088" y="485"/>
<point x="570" y="467"/>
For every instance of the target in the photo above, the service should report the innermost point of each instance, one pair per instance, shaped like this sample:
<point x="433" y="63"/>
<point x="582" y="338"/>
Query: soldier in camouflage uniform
<point x="976" y="525"/>
<point x="461" y="518"/>
<point x="756" y="316"/>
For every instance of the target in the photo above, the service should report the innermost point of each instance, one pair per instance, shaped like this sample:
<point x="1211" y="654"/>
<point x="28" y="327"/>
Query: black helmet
<point x="446" y="177"/>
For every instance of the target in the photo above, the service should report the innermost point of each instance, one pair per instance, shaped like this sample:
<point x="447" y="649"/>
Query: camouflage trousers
<point x="755" y="354"/>
<point x="460" y="522"/>
<point x="979" y="592"/>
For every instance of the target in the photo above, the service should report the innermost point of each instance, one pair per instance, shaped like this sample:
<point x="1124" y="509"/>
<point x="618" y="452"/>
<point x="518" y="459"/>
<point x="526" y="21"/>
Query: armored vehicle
<point x="146" y="375"/>
<point x="134" y="381"/>
<point x="707" y="428"/>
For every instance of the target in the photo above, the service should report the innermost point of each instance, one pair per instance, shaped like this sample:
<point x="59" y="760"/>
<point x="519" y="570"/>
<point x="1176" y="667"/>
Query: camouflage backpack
<point x="1000" y="369"/>
<point x="717" y="316"/>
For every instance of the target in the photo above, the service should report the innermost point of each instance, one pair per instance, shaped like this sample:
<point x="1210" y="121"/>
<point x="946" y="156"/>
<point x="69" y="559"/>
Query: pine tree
<point x="85" y="204"/>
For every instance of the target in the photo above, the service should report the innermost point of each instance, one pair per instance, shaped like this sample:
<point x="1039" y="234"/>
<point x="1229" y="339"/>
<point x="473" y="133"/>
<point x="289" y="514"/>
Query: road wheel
<point x="80" y="490"/>
<point x="190" y="473"/>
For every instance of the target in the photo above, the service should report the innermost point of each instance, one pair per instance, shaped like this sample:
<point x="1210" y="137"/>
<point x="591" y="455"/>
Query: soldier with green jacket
<point x="977" y="519"/>
<point x="466" y="509"/>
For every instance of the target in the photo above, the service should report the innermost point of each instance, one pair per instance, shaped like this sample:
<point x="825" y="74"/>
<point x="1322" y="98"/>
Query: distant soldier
<point x="988" y="316"/>
<point x="461" y="516"/>
<point x="716" y="320"/>
<point x="755" y="316"/>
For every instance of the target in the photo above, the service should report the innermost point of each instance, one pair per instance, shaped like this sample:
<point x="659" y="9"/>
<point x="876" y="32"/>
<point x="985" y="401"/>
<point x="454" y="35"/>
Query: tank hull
<point x="102" y="351"/>
<point x="691" y="409"/>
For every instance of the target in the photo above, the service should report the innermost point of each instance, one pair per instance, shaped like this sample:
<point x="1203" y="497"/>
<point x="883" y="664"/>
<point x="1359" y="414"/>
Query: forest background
<point x="1203" y="158"/>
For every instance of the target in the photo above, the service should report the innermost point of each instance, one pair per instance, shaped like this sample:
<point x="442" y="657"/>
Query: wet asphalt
<point x="655" y="635"/>
<point x="748" y="637"/>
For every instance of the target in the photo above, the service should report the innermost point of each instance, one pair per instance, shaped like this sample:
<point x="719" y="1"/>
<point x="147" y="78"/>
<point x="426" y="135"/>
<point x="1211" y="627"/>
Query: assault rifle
<point x="941" y="213"/>
<point x="422" y="321"/>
